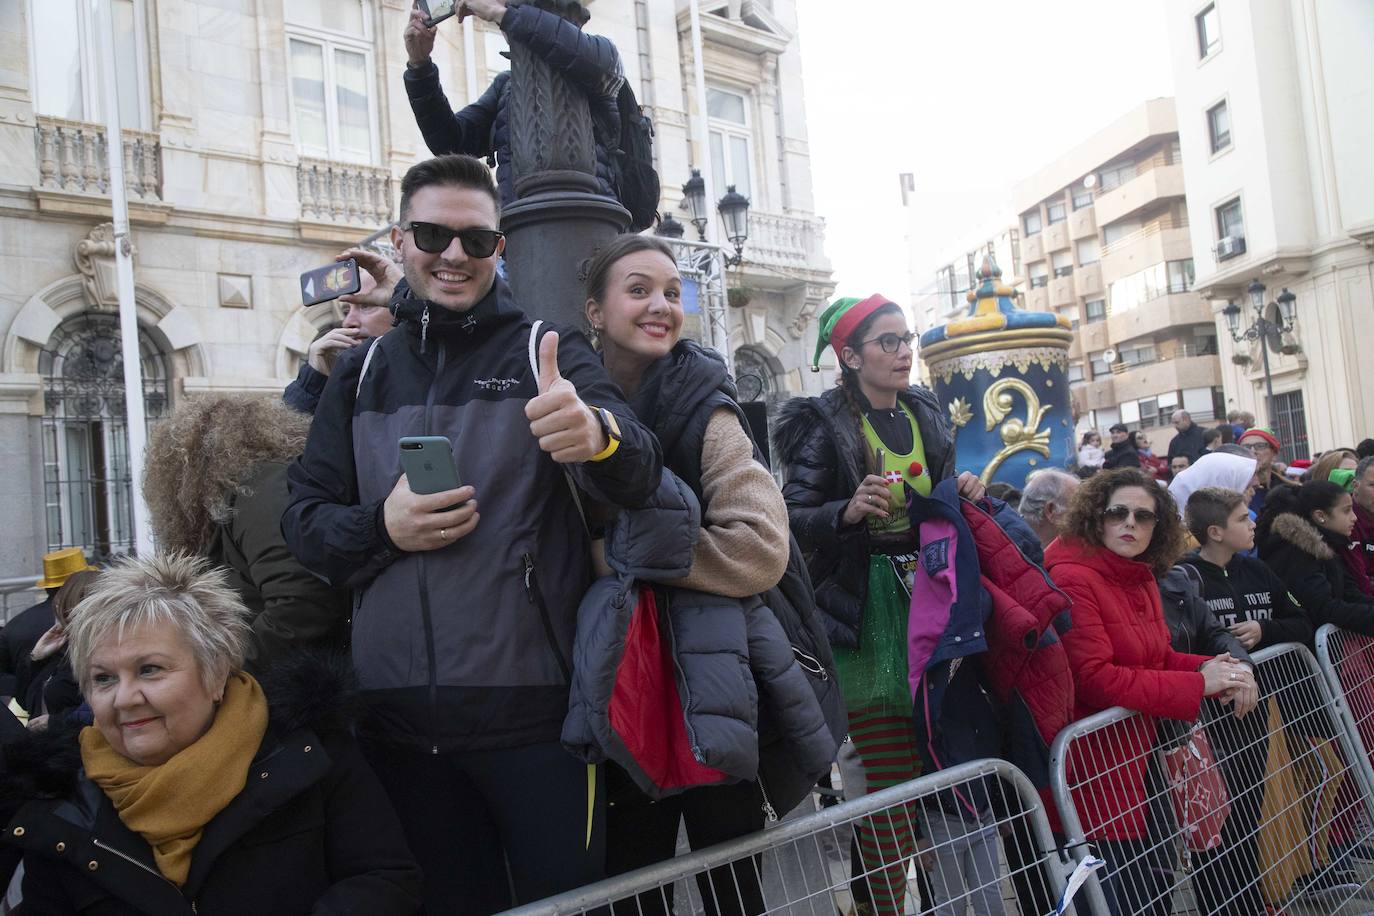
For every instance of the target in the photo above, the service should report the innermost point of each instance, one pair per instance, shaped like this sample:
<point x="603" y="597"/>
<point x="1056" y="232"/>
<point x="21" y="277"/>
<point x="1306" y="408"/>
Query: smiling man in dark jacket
<point x="589" y="62"/>
<point x="463" y="622"/>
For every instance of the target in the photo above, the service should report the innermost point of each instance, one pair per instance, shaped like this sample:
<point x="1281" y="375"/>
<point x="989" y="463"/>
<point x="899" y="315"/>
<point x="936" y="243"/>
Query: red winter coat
<point x="1119" y="650"/>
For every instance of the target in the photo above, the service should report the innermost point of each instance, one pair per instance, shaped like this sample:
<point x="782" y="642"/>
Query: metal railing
<point x="1003" y="861"/>
<point x="1152" y="228"/>
<point x="18" y="593"/>
<point x="1225" y="814"/>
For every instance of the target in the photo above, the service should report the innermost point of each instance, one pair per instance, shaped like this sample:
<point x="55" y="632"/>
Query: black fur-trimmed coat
<point x="1308" y="560"/>
<point x="311" y="832"/>
<point x="817" y="440"/>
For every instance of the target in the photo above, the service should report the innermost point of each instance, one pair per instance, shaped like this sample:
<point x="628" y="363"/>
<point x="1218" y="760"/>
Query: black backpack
<point x="639" y="188"/>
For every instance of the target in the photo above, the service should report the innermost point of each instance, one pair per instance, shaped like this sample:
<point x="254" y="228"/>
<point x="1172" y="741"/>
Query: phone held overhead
<point x="322" y="284"/>
<point x="437" y="11"/>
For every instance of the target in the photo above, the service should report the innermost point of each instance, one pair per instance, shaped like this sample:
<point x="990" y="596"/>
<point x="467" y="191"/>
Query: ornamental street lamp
<point x="1268" y="333"/>
<point x="694" y="192"/>
<point x="734" y="211"/>
<point x="670" y="228"/>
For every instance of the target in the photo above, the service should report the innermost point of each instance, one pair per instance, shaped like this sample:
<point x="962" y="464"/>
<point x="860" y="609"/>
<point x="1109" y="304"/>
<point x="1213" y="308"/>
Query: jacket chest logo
<point x="935" y="556"/>
<point x="496" y="384"/>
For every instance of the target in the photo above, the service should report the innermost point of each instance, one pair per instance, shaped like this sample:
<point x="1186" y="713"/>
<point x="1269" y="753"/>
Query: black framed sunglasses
<point x="890" y="342"/>
<point x="1118" y="514"/>
<point x="435" y="239"/>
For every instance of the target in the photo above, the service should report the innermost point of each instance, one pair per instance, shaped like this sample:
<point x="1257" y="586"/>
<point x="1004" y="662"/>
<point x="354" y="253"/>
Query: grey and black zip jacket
<point x="466" y="647"/>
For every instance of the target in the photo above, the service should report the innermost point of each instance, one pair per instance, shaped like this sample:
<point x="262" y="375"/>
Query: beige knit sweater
<point x="743" y="546"/>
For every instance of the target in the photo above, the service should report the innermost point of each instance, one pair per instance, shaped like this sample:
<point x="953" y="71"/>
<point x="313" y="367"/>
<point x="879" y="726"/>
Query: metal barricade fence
<point x="1347" y="660"/>
<point x="1266" y="813"/>
<point x="841" y="859"/>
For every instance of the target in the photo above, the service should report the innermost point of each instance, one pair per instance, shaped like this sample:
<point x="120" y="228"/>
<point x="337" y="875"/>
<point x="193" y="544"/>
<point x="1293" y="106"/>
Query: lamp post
<point x="1267" y="332"/>
<point x="734" y="212"/>
<point x="669" y="228"/>
<point x="694" y="192"/>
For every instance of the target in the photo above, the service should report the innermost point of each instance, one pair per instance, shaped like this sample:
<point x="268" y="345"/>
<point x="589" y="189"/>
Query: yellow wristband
<point x="608" y="451"/>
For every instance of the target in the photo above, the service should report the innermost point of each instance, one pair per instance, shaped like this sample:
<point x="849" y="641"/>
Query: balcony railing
<point x="340" y="192"/>
<point x="1154" y="227"/>
<point x="784" y="241"/>
<point x="72" y="156"/>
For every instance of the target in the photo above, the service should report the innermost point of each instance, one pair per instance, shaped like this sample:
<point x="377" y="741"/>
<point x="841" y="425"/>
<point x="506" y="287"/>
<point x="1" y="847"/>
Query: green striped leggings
<point x="886" y="745"/>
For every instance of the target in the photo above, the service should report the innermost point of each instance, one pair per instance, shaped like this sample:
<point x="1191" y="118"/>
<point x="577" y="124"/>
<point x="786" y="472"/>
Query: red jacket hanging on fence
<point x="1119" y="651"/>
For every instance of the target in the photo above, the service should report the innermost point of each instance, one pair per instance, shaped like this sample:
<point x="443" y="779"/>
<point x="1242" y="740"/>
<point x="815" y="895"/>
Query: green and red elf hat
<point x="838" y="322"/>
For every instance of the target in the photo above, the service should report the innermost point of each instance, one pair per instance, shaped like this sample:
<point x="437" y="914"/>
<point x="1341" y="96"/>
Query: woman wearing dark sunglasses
<point x="850" y="456"/>
<point x="1122" y="533"/>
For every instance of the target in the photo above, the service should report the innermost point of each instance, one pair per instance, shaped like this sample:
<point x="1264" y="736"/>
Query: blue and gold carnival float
<point x="1002" y="374"/>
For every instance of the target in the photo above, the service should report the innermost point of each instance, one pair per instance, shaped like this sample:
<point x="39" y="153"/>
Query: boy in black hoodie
<point x="1243" y="593"/>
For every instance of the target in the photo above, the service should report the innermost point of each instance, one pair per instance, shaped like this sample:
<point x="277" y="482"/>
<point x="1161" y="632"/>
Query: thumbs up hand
<point x="566" y="428"/>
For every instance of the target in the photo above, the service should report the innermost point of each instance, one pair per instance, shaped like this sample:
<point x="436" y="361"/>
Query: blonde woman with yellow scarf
<point x="198" y="790"/>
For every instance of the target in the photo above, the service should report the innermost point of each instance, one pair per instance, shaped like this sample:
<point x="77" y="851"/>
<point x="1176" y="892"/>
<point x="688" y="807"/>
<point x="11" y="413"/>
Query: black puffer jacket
<point x="818" y="442"/>
<point x="311" y="832"/>
<point x="1308" y="559"/>
<point x="482" y="129"/>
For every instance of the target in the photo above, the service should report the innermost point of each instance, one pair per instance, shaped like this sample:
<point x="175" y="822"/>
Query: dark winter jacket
<point x="47" y="687"/>
<point x="1308" y="560"/>
<point x="467" y="646"/>
<point x="1192" y="627"/>
<point x="19" y="636"/>
<point x="1119" y="650"/>
<point x="989" y="675"/>
<point x="1189" y="443"/>
<point x="1248" y="590"/>
<point x="304" y="392"/>
<point x="677" y="398"/>
<point x="291" y="606"/>
<point x="589" y="62"/>
<point x="1121" y="455"/>
<point x="818" y="441"/>
<point x="311" y="832"/>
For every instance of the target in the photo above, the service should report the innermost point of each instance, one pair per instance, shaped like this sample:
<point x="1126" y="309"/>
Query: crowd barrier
<point x="1267" y="813"/>
<point x="811" y="864"/>
<point x="1270" y="813"/>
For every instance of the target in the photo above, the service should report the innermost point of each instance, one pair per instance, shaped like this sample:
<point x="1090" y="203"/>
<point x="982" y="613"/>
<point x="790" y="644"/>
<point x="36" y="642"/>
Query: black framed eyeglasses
<point x="435" y="239"/>
<point x="890" y="342"/>
<point x="1118" y="514"/>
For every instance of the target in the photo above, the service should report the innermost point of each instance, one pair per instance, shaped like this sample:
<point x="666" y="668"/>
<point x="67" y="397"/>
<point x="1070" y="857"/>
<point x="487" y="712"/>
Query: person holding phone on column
<point x="482" y="128"/>
<point x="465" y="600"/>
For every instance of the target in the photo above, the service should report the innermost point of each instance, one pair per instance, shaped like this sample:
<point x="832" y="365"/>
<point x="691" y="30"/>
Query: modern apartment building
<point x="1274" y="100"/>
<point x="1101" y="236"/>
<point x="263" y="137"/>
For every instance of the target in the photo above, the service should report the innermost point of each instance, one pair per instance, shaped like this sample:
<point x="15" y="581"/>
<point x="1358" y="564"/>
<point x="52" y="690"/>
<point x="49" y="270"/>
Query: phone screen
<point x="436" y="11"/>
<point x="330" y="282"/>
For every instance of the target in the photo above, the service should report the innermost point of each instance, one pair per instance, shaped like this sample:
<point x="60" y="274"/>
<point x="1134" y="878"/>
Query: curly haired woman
<point x="215" y="482"/>
<point x="1122" y="533"/>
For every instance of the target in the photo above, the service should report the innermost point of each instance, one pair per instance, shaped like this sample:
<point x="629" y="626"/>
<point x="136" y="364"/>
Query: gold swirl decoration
<point x="1016" y="435"/>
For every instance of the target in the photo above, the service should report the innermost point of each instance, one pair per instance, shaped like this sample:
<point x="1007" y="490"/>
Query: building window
<point x="1290" y="422"/>
<point x="1096" y="310"/>
<point x="1230" y="223"/>
<point x="1075" y="373"/>
<point x="87" y="486"/>
<point x="1088" y="251"/>
<point x="1082" y="197"/>
<point x="1137" y="356"/>
<point x="1180" y="276"/>
<point x="1208" y="31"/>
<point x="1062" y="263"/>
<point x="1031" y="222"/>
<point x="731" y="140"/>
<point x="329" y="49"/>
<point x="67" y="79"/>
<point x="1219" y="126"/>
<point x="1115" y="176"/>
<point x="1056" y="213"/>
<point x="1116" y="232"/>
<point x="1039" y="275"/>
<point x="1099" y="365"/>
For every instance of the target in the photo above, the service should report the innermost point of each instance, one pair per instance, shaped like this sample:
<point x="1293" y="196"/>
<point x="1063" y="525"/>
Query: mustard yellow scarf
<point x="169" y="805"/>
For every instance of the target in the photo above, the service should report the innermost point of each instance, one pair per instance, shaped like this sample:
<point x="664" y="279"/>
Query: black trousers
<point x="494" y="829"/>
<point x="640" y="832"/>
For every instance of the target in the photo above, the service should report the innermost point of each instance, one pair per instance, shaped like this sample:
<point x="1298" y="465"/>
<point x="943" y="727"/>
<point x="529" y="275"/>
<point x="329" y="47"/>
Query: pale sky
<point x="969" y="95"/>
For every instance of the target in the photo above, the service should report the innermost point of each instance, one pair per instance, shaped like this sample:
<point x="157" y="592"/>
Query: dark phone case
<point x="330" y="282"/>
<point x="429" y="468"/>
<point x="430" y="21"/>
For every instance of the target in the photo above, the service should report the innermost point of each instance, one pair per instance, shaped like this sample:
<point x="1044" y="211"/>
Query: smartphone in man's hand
<point x="322" y="284"/>
<point x="436" y="11"/>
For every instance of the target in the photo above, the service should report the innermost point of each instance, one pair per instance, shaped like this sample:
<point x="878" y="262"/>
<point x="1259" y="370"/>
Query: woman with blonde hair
<point x="198" y="789"/>
<point x="215" y="482"/>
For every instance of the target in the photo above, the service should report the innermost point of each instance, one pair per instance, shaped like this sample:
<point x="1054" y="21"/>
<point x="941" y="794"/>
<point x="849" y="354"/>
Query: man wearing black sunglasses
<point x="466" y="600"/>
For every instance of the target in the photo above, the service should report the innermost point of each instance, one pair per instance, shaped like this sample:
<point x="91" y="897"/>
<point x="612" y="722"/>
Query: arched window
<point x="754" y="377"/>
<point x="86" y="477"/>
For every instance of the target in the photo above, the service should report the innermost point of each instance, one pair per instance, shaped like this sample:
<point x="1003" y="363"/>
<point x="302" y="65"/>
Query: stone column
<point x="558" y="218"/>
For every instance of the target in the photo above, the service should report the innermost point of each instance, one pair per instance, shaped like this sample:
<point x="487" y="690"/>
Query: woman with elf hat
<point x="849" y="456"/>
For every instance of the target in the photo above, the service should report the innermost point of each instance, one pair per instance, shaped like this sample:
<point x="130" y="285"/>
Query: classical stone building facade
<point x="261" y="137"/>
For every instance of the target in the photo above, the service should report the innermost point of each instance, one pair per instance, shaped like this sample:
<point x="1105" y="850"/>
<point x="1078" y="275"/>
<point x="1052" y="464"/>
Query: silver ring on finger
<point x="443" y="536"/>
